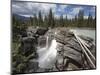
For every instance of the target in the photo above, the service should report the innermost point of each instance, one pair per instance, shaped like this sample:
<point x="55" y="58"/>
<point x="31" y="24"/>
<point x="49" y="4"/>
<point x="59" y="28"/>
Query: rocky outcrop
<point x="41" y="31"/>
<point x="71" y="51"/>
<point x="23" y="59"/>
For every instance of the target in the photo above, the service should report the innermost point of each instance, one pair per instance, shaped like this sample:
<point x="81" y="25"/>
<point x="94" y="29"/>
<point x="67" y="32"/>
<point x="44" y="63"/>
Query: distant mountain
<point x="22" y="18"/>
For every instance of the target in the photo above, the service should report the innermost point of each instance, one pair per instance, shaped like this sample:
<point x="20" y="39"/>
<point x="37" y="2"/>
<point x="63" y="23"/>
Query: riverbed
<point x="48" y="55"/>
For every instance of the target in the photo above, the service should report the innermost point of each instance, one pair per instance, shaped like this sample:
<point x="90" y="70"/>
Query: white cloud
<point x="64" y="16"/>
<point x="85" y="17"/>
<point x="62" y="8"/>
<point x="76" y="10"/>
<point x="57" y="16"/>
<point x="23" y="8"/>
<point x="70" y="16"/>
<point x="27" y="15"/>
<point x="46" y="7"/>
<point x="29" y="8"/>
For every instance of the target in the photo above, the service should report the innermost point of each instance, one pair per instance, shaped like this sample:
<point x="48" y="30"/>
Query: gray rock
<point x="41" y="31"/>
<point x="28" y="45"/>
<point x="32" y="67"/>
<point x="42" y="41"/>
<point x="69" y="52"/>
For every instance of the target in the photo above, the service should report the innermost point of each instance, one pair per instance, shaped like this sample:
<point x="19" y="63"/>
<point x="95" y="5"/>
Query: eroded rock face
<point x="28" y="45"/>
<point x="42" y="41"/>
<point x="71" y="49"/>
<point x="69" y="52"/>
<point x="41" y="31"/>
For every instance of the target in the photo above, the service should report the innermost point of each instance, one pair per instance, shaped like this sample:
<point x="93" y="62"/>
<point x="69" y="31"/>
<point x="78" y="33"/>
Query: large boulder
<point x="28" y="45"/>
<point x="41" y="31"/>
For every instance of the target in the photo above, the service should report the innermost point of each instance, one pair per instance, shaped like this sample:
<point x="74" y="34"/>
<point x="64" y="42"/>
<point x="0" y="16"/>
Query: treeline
<point x="49" y="20"/>
<point x="19" y="27"/>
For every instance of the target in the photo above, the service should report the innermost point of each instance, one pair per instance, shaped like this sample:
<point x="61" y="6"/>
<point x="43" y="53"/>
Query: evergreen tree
<point x="61" y="20"/>
<point x="31" y="21"/>
<point x="90" y="21"/>
<point x="46" y="21"/>
<point x="80" y="18"/>
<point x="51" y="21"/>
<point x="66" y="21"/>
<point x="40" y="20"/>
<point x="76" y="20"/>
<point x="35" y="20"/>
<point x="94" y="22"/>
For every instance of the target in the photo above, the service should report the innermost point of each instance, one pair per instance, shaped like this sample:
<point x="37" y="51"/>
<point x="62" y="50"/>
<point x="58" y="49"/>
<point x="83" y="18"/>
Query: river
<point x="85" y="32"/>
<point x="47" y="55"/>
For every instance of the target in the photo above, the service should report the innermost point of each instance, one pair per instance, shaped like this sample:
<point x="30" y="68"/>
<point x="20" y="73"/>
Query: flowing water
<point x="47" y="55"/>
<point x="85" y="32"/>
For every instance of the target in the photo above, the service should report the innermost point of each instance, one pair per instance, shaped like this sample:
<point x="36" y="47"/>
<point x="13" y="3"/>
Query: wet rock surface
<point x="72" y="49"/>
<point x="69" y="52"/>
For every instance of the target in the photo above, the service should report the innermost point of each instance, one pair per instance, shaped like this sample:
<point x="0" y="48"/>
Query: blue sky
<point x="29" y="8"/>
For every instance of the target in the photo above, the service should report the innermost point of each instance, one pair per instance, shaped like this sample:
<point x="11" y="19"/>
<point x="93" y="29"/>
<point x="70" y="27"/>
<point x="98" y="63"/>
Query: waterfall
<point x="47" y="55"/>
<point x="47" y="41"/>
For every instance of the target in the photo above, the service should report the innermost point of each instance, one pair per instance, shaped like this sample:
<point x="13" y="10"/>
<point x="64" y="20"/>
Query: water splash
<point x="47" y="55"/>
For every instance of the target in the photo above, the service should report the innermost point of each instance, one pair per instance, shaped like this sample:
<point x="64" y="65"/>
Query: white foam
<point x="47" y="55"/>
